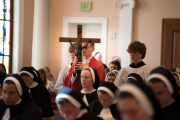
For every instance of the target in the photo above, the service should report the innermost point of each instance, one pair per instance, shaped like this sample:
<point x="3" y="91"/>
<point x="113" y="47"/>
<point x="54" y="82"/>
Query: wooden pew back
<point x="40" y="109"/>
<point x="47" y="118"/>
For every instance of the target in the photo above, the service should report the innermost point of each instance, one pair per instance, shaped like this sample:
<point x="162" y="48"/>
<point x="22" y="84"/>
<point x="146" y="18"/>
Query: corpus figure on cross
<point x="78" y="50"/>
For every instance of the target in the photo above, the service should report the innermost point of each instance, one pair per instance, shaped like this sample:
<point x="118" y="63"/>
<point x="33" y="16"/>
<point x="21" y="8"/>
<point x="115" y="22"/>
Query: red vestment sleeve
<point x="99" y="67"/>
<point x="93" y="63"/>
<point x="67" y="80"/>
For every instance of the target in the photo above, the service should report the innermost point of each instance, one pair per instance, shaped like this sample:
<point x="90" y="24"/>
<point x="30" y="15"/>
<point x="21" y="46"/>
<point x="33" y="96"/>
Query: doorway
<point x="91" y="28"/>
<point x="170" y="56"/>
<point x="88" y="31"/>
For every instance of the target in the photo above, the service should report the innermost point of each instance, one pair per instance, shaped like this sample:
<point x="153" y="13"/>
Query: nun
<point x="89" y="82"/>
<point x="17" y="103"/>
<point x="105" y="107"/>
<point x="2" y="77"/>
<point x="135" y="77"/>
<point x="136" y="101"/>
<point x="72" y="107"/>
<point x="177" y="78"/>
<point x="37" y="75"/>
<point x="38" y="92"/>
<point x="163" y="84"/>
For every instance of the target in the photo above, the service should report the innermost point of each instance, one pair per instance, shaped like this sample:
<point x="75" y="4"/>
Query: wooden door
<point x="176" y="49"/>
<point x="170" y="56"/>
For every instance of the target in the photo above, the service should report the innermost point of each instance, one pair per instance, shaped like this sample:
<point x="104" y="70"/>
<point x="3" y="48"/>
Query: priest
<point x="71" y="80"/>
<point x="38" y="92"/>
<point x="89" y="82"/>
<point x="72" y="107"/>
<point x="105" y="106"/>
<point x="17" y="103"/>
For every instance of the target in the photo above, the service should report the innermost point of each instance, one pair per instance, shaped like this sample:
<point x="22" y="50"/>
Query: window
<point x="5" y="33"/>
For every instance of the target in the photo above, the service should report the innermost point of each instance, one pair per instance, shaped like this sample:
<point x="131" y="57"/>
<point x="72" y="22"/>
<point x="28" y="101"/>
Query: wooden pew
<point x="53" y="103"/>
<point x="54" y="107"/>
<point x="47" y="118"/>
<point x="52" y="95"/>
<point x="40" y="109"/>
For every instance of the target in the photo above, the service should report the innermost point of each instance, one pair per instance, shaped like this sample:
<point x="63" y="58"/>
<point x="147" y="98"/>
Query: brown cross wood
<point x="80" y="40"/>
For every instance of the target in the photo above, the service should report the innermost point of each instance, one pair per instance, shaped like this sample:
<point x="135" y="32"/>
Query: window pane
<point x="7" y="9"/>
<point x="5" y="32"/>
<point x="1" y="37"/>
<point x="1" y="59"/>
<point x="1" y="9"/>
<point x="1" y="47"/>
<point x="6" y="63"/>
<point x="6" y="38"/>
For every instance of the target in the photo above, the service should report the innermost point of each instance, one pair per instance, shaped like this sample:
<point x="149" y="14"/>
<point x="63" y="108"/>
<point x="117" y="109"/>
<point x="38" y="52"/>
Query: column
<point x="125" y="28"/>
<point x="18" y="28"/>
<point x="41" y="34"/>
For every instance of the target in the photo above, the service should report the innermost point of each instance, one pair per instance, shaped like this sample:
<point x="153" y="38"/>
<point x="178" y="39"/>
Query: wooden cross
<point x="80" y="40"/>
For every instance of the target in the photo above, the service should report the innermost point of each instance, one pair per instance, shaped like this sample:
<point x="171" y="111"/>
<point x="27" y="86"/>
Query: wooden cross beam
<point x="80" y="40"/>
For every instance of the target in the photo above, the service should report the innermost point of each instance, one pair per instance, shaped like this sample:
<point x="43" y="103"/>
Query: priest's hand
<point x="75" y="62"/>
<point x="78" y="65"/>
<point x="110" y="118"/>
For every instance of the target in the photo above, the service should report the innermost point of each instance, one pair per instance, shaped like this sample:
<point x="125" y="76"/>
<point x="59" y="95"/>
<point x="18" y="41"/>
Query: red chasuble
<point x="93" y="63"/>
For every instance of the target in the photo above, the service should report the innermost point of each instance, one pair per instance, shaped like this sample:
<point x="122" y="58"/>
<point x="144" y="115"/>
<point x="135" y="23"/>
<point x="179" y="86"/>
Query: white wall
<point x="148" y="17"/>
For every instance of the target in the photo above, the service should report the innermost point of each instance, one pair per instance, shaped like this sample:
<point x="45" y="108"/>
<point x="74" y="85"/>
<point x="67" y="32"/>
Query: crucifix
<point x="79" y="48"/>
